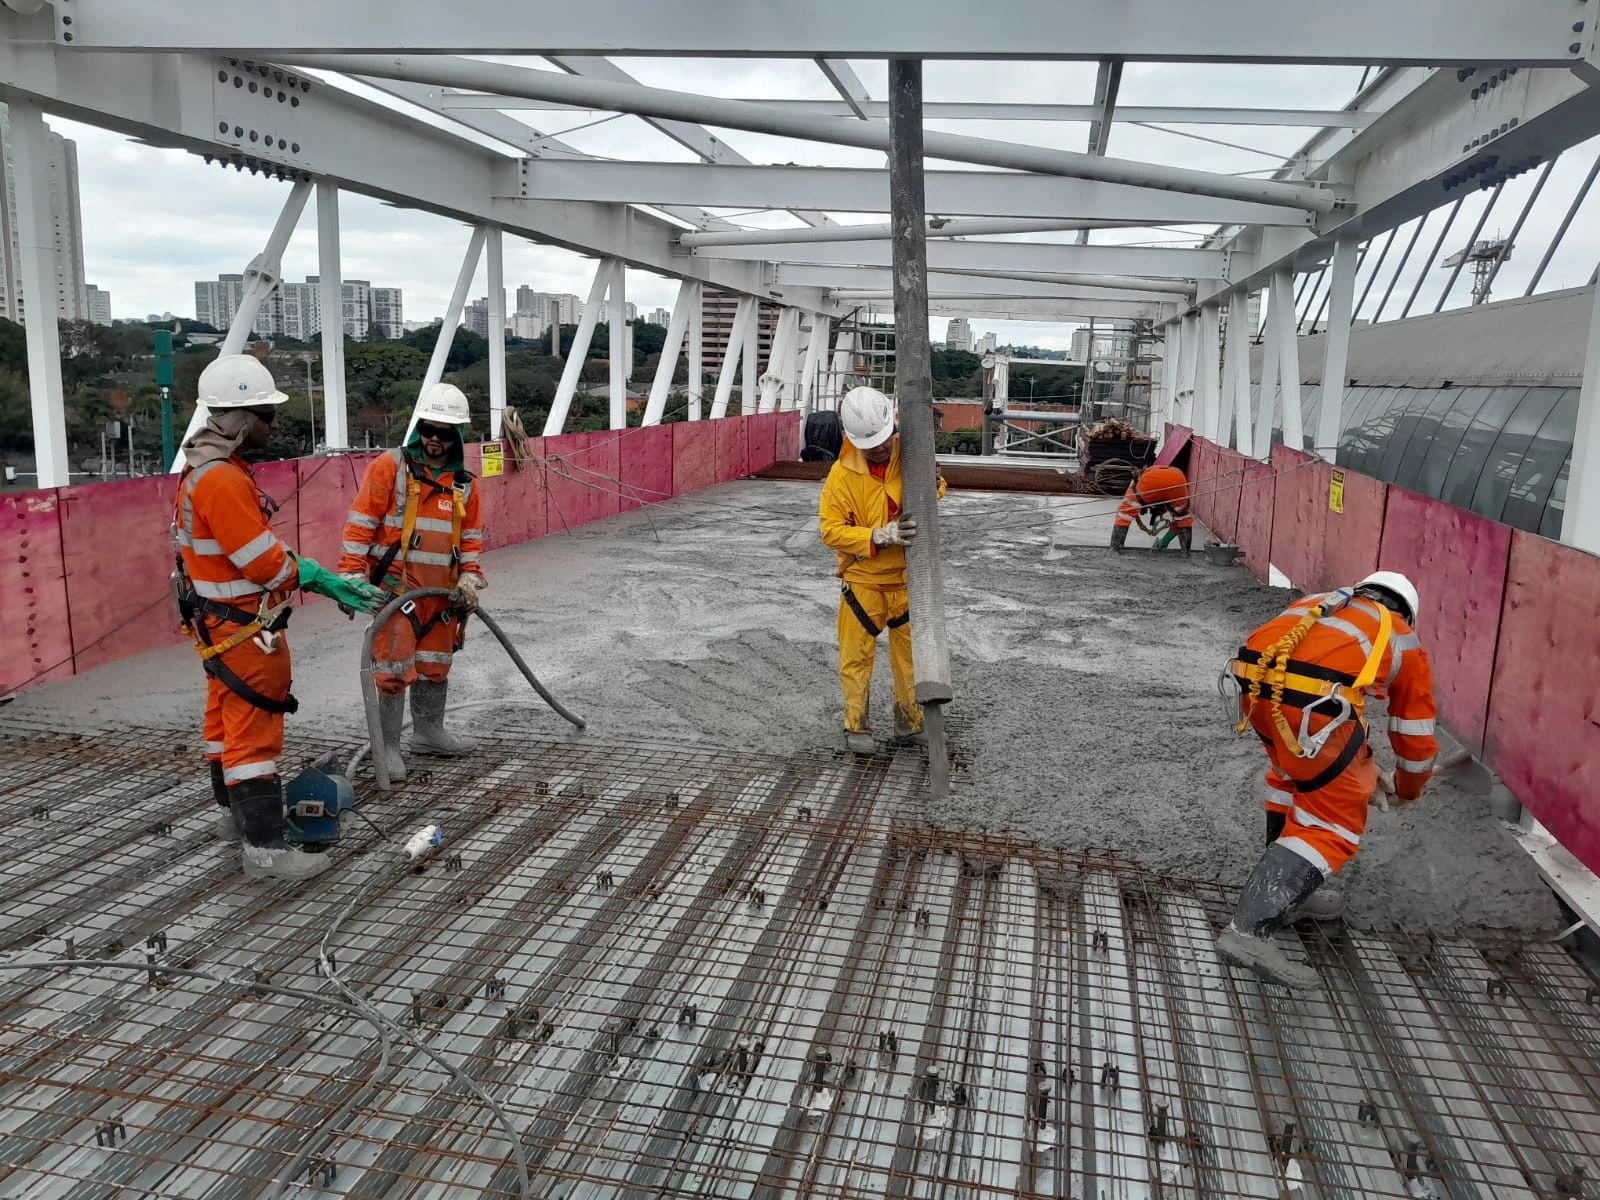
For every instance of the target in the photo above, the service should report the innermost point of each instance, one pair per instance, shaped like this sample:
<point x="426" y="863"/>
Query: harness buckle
<point x="1311" y="744"/>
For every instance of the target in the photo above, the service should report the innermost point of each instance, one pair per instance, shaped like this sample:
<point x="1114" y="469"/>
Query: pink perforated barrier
<point x="694" y="455"/>
<point x="1255" y="517"/>
<point x="1543" y="732"/>
<point x="647" y="465"/>
<point x="790" y="438"/>
<point x="1299" y="516"/>
<point x="83" y="570"/>
<point x="1224" y="484"/>
<point x="33" y="590"/>
<point x="1351" y="539"/>
<point x="1202" y="455"/>
<point x="1457" y="560"/>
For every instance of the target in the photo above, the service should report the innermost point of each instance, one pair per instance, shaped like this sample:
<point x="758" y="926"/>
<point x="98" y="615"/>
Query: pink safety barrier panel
<point x="33" y="591"/>
<point x="761" y="441"/>
<point x="328" y="487"/>
<point x="1457" y="560"/>
<point x="117" y="550"/>
<point x="647" y="465"/>
<point x="694" y="455"/>
<point x="1299" y="516"/>
<point x="1225" y="484"/>
<point x="1172" y="445"/>
<point x="790" y="437"/>
<point x="1351" y="540"/>
<point x="1255" y="517"/>
<point x="513" y="505"/>
<point x="733" y="449"/>
<point x="1543" y="731"/>
<point x="576" y="495"/>
<point x="1202" y="459"/>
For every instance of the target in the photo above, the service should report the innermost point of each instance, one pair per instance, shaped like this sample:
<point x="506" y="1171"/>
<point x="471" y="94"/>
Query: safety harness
<point x="410" y="539"/>
<point x="872" y="627"/>
<point x="1308" y="687"/>
<point x="268" y="620"/>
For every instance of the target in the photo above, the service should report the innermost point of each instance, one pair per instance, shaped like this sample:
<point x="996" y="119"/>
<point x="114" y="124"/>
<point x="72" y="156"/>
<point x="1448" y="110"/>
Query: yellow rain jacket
<point x="853" y="504"/>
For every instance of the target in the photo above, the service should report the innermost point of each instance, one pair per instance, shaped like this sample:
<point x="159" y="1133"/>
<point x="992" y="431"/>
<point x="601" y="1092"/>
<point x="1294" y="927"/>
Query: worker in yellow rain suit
<point x="863" y="521"/>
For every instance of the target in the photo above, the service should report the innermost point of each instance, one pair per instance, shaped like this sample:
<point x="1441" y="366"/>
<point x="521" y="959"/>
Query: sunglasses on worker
<point x="438" y="433"/>
<point x="268" y="414"/>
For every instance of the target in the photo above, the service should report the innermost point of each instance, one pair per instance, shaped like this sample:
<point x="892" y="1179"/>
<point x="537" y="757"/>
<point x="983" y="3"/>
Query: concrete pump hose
<point x="369" y="682"/>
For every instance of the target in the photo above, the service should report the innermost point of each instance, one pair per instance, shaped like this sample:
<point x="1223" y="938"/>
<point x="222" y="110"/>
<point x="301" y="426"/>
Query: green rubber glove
<point x="352" y="593"/>
<point x="1166" y="539"/>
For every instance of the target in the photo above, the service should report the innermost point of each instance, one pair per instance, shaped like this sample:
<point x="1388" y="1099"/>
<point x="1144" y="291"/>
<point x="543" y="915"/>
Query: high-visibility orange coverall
<point x="858" y="497"/>
<point x="1156" y="486"/>
<point x="442" y="511"/>
<point x="1323" y="799"/>
<point x="236" y="563"/>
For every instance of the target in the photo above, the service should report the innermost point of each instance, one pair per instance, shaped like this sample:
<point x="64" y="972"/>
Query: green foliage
<point x="466" y="348"/>
<point x="963" y="441"/>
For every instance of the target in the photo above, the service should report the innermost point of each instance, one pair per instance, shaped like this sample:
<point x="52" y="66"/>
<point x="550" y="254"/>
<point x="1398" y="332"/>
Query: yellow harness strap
<point x="408" y="527"/>
<point x="458" y="514"/>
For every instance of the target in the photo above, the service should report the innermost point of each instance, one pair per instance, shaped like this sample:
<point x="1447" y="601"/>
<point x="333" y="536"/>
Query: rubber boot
<point x="1119" y="537"/>
<point x="428" y="734"/>
<point x="1324" y="904"/>
<point x="860" y="742"/>
<point x="226" y="829"/>
<point x="1186" y="540"/>
<point x="1281" y="881"/>
<point x="391" y="716"/>
<point x="258" y="810"/>
<point x="904" y="734"/>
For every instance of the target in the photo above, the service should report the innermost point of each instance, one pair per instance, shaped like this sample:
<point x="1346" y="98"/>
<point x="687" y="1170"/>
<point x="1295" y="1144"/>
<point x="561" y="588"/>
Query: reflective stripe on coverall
<point x="233" y="558"/>
<point x="855" y="502"/>
<point x="1324" y="823"/>
<point x="1156" y="486"/>
<point x="435" y="559"/>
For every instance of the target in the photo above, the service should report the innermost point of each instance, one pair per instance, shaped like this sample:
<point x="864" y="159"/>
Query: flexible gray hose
<point x="369" y="683"/>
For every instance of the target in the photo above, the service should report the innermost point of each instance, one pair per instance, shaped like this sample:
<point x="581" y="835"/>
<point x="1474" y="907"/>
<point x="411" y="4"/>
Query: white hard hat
<point x="238" y="381"/>
<point x="1398" y="586"/>
<point x="442" y="402"/>
<point x="868" y="417"/>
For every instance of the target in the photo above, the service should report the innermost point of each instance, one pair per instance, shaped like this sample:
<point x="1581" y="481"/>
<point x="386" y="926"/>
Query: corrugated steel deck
<point x="690" y="973"/>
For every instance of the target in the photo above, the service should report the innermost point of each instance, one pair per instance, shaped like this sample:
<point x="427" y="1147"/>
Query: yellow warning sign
<point x="494" y="460"/>
<point x="1336" y="492"/>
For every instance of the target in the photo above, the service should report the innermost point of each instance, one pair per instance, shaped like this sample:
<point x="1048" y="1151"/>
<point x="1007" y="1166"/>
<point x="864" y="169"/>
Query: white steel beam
<point x="1239" y="335"/>
<point x="962" y="288"/>
<point x="656" y="406"/>
<point x="36" y="248"/>
<point x="872" y="135"/>
<point x="1336" y="349"/>
<point x="1580" y="522"/>
<point x="1207" y="365"/>
<point x="330" y="276"/>
<point x="937" y="228"/>
<point x="995" y="282"/>
<point x="1159" y="262"/>
<point x="1267" y="396"/>
<point x="260" y="277"/>
<point x="1365" y="31"/>
<point x="750" y="381"/>
<point x="497" y="330"/>
<point x="731" y="357"/>
<point x="578" y="352"/>
<point x="1002" y="308"/>
<point x="1288" y="340"/>
<point x="849" y="86"/>
<point x="618" y="357"/>
<point x="697" y="368"/>
<point x="771" y="381"/>
<point x="989" y="110"/>
<point x="866" y="189"/>
<point x="189" y="102"/>
<point x="816" y="351"/>
<point x="452" y="312"/>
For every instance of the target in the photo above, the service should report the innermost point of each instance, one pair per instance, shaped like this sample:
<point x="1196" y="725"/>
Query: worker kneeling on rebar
<point x="1303" y="679"/>
<point x="416" y="524"/>
<point x="863" y="521"/>
<point x="1158" y="502"/>
<point x="234" y="583"/>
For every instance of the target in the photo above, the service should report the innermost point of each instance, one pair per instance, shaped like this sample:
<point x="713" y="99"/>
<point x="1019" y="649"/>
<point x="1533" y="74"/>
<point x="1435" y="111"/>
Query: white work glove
<point x="896" y="533"/>
<point x="464" y="596"/>
<point x="1386" y="798"/>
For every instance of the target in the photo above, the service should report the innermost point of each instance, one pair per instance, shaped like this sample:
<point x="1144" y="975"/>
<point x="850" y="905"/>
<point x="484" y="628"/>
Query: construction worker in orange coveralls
<point x="416" y="523"/>
<point x="862" y="520"/>
<point x="234" y="581"/>
<point x="1304" y="678"/>
<point x="1157" y="496"/>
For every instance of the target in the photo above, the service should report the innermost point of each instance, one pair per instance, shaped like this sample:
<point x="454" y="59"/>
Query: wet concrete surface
<point x="1086" y="710"/>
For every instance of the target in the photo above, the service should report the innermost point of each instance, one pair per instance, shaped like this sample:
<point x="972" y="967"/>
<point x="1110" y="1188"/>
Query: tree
<point x="383" y="373"/>
<point x="465" y="349"/>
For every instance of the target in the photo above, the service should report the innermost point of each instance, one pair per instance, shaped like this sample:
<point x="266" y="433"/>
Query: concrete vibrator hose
<point x="369" y="683"/>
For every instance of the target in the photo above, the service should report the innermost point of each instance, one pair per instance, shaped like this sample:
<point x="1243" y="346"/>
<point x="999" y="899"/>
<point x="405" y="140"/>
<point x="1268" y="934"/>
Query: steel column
<point x="1580" y="523"/>
<point x="1288" y="338"/>
<point x="1239" y="332"/>
<point x="330" y="285"/>
<point x="497" y="331"/>
<point x="816" y="348"/>
<point x="260" y="277"/>
<point x="30" y="150"/>
<point x="1336" y="356"/>
<point x="750" y="384"/>
<point x="1206" y="369"/>
<point x="452" y="312"/>
<point x="618" y="355"/>
<point x="572" y="369"/>
<point x="697" y="369"/>
<point x="1268" y="392"/>
<point x="656" y="406"/>
<point x="1230" y="372"/>
<point x="731" y="357"/>
<point x="772" y="379"/>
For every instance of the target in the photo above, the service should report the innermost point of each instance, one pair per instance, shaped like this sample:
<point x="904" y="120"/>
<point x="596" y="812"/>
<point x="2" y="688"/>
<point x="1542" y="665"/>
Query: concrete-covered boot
<point x="392" y="715"/>
<point x="1324" y="904"/>
<point x="258" y="810"/>
<point x="428" y="734"/>
<point x="226" y="829"/>
<point x="907" y="732"/>
<point x="859" y="741"/>
<point x="1119" y="536"/>
<point x="1281" y="881"/>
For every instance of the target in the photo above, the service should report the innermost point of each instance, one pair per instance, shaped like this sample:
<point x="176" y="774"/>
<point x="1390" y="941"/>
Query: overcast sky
<point x="157" y="220"/>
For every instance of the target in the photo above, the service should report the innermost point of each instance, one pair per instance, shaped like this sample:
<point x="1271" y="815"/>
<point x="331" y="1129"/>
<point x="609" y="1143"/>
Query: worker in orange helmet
<point x="416" y="523"/>
<point x="234" y="582"/>
<point x="863" y="522"/>
<point x="1304" y="678"/>
<point x="1157" y="497"/>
